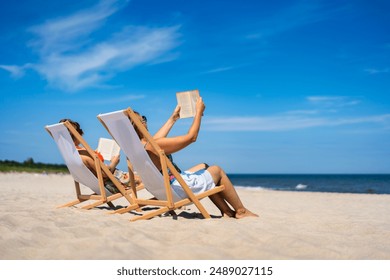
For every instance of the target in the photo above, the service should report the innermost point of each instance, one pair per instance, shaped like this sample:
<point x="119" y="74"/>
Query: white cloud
<point x="65" y="33"/>
<point x="302" y="112"/>
<point x="374" y="71"/>
<point x="132" y="47"/>
<point x="73" y="55"/>
<point x="286" y="122"/>
<point x="333" y="101"/>
<point x="216" y="70"/>
<point x="14" y="70"/>
<point x="299" y="119"/>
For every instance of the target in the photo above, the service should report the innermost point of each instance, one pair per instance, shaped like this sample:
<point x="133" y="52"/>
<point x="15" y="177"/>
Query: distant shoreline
<point x="30" y="166"/>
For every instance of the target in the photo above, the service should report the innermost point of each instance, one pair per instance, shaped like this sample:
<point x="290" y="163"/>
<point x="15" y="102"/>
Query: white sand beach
<point x="291" y="226"/>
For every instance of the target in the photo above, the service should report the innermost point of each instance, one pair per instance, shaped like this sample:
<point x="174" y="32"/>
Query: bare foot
<point x="228" y="215"/>
<point x="244" y="213"/>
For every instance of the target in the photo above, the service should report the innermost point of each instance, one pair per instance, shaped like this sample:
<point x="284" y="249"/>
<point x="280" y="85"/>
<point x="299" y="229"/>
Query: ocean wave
<point x="338" y="183"/>
<point x="301" y="187"/>
<point x="253" y="187"/>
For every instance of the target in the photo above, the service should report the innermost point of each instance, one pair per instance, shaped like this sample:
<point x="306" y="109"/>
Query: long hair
<point x="76" y="126"/>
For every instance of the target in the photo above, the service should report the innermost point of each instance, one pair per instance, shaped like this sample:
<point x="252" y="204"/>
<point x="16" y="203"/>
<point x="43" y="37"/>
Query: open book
<point x="187" y="102"/>
<point x="108" y="148"/>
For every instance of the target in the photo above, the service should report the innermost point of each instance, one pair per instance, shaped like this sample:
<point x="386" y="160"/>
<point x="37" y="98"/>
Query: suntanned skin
<point x="90" y="163"/>
<point x="171" y="145"/>
<point x="88" y="160"/>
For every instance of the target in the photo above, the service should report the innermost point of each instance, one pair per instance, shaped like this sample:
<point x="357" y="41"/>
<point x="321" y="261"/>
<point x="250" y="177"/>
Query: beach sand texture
<point x="292" y="226"/>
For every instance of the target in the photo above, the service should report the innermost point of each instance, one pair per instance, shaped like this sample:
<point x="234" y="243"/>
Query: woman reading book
<point x="122" y="176"/>
<point x="201" y="177"/>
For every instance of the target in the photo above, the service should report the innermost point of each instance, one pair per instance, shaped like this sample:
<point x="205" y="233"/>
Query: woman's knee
<point x="216" y="172"/>
<point x="214" y="169"/>
<point x="218" y="169"/>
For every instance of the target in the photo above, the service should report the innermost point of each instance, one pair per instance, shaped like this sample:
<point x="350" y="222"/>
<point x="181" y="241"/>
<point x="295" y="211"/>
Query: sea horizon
<point x="336" y="183"/>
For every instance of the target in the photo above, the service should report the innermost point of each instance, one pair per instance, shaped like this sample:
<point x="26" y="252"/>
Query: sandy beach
<point x="292" y="226"/>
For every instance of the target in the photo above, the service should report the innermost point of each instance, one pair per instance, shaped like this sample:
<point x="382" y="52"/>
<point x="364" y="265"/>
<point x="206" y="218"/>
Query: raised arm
<point x="174" y="144"/>
<point x="164" y="130"/>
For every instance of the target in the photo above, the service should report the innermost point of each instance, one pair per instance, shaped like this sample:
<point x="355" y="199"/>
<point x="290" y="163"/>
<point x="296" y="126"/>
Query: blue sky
<point x="289" y="86"/>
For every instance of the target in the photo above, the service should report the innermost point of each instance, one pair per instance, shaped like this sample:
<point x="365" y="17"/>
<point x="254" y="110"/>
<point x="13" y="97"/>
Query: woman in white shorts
<point x="201" y="177"/>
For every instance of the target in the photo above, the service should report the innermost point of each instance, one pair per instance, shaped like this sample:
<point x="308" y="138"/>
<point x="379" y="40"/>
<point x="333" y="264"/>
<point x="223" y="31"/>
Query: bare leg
<point x="198" y="167"/>
<point x="229" y="193"/>
<point x="217" y="198"/>
<point x="221" y="204"/>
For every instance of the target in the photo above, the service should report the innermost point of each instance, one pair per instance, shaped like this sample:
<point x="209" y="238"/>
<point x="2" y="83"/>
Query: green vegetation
<point x="30" y="166"/>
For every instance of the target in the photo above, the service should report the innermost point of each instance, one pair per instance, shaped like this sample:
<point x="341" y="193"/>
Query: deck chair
<point x="62" y="135"/>
<point x="118" y="124"/>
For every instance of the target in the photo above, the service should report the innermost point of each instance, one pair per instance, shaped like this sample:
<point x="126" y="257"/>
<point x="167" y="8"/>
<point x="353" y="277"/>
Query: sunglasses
<point x="144" y="119"/>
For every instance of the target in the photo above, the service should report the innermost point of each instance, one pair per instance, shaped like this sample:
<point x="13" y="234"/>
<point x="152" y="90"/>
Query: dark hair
<point x="76" y="125"/>
<point x="140" y="135"/>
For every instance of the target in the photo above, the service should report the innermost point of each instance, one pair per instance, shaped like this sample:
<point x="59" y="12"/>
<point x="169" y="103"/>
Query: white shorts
<point x="199" y="181"/>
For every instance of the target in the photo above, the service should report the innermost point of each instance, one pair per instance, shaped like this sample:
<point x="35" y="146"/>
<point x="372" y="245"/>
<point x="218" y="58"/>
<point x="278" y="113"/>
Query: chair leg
<point x="111" y="204"/>
<point x="151" y="215"/>
<point x="92" y="205"/>
<point x="125" y="210"/>
<point x="172" y="213"/>
<point x="71" y="203"/>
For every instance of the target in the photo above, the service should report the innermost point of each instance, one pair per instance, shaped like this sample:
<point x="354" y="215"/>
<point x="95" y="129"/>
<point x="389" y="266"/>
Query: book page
<point x="108" y="148"/>
<point x="187" y="102"/>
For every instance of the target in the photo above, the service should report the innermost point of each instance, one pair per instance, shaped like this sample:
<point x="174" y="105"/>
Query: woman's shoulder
<point x="87" y="160"/>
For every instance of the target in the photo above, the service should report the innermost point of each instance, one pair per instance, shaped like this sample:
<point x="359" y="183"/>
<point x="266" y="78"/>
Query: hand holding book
<point x="187" y="101"/>
<point x="200" y="107"/>
<point x="176" y="113"/>
<point x="108" y="148"/>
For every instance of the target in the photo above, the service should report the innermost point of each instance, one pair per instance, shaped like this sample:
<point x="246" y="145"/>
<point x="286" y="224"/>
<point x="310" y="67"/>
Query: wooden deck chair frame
<point x="100" y="195"/>
<point x="165" y="205"/>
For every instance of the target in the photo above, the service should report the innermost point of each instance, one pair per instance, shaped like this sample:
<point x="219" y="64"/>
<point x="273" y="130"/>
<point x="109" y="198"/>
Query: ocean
<point x="359" y="183"/>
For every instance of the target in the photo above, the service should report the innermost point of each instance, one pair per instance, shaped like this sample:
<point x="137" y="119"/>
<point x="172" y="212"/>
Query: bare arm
<point x="174" y="144"/>
<point x="113" y="163"/>
<point x="164" y="130"/>
<point x="90" y="164"/>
